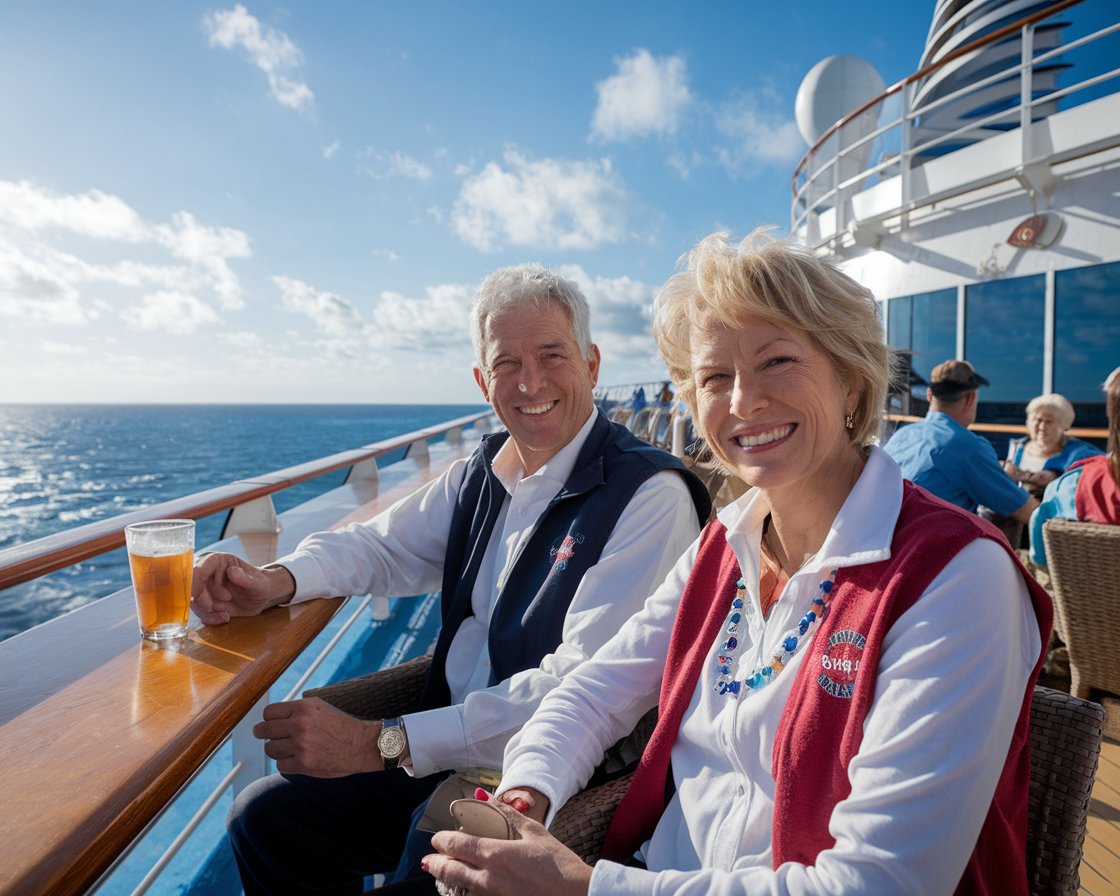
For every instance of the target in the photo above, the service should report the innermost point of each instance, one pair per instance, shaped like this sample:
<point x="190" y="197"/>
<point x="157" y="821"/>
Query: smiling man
<point x="544" y="542"/>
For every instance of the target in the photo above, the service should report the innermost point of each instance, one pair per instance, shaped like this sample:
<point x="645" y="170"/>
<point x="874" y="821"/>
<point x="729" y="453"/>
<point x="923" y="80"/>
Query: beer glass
<point x="161" y="558"/>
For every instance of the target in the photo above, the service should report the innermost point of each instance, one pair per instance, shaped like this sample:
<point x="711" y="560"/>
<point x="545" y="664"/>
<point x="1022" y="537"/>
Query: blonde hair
<point x="1059" y="404"/>
<point x="784" y="283"/>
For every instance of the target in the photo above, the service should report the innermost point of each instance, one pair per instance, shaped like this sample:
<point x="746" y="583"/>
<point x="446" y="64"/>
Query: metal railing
<point x="819" y="186"/>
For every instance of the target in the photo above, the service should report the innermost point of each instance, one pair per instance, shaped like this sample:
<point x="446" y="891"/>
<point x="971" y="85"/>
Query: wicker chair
<point x="582" y="822"/>
<point x="1065" y="738"/>
<point x="1065" y="742"/>
<point x="1084" y="561"/>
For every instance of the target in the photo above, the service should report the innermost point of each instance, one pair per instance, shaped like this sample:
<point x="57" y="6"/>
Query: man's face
<point x="536" y="379"/>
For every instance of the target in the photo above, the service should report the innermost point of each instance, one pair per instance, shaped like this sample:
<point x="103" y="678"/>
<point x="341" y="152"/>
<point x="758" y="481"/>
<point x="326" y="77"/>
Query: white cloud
<point x="331" y="150"/>
<point x="42" y="280"/>
<point x="272" y="51"/>
<point x="208" y="248"/>
<point x="33" y="290"/>
<point x="177" y="313"/>
<point x="550" y="203"/>
<point x="386" y="166"/>
<point x="439" y="320"/>
<point x="31" y="208"/>
<point x="52" y="347"/>
<point x="620" y="311"/>
<point x="647" y="96"/>
<point x="242" y="339"/>
<point x="388" y="254"/>
<point x="330" y="313"/>
<point x="763" y="132"/>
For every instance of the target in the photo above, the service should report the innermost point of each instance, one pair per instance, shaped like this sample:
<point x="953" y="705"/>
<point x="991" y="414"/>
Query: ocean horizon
<point x="65" y="465"/>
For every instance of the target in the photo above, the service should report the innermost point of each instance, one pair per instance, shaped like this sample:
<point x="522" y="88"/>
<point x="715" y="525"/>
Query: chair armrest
<point x="582" y="822"/>
<point x="379" y="695"/>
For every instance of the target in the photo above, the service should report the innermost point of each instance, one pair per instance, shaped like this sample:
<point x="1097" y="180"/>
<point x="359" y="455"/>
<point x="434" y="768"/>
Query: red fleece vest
<point x="822" y="725"/>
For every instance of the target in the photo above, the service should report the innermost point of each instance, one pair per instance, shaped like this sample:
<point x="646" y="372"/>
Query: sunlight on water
<point x="65" y="466"/>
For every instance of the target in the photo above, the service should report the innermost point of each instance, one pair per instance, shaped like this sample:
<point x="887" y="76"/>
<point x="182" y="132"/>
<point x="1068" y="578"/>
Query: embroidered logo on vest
<point x="840" y="663"/>
<point x="561" y="555"/>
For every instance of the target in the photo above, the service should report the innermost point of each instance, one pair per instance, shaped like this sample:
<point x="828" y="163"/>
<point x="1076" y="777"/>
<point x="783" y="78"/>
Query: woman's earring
<point x="850" y="421"/>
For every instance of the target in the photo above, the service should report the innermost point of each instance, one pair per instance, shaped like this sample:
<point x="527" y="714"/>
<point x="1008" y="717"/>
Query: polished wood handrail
<point x="99" y="731"/>
<point x="984" y="41"/>
<point x="23" y="562"/>
<point x="1081" y="432"/>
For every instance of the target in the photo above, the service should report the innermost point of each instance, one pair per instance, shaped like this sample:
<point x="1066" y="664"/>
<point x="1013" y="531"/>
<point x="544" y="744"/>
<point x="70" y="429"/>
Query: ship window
<point x="1004" y="334"/>
<point x="1086" y="336"/>
<point x="926" y="326"/>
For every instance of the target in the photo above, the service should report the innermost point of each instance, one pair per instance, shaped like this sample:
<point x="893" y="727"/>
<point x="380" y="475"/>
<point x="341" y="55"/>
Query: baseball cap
<point x="953" y="378"/>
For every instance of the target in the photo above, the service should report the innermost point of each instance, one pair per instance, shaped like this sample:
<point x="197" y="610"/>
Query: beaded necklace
<point x="725" y="683"/>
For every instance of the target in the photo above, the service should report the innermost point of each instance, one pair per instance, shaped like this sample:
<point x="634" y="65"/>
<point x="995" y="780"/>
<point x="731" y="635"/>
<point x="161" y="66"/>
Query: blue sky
<point x="294" y="202"/>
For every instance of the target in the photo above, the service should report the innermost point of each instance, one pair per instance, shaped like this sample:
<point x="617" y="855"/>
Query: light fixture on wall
<point x="1037" y="232"/>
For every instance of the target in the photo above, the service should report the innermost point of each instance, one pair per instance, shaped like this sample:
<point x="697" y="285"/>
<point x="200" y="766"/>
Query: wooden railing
<point x="1080" y="432"/>
<point x="23" y="562"/>
<point x="99" y="731"/>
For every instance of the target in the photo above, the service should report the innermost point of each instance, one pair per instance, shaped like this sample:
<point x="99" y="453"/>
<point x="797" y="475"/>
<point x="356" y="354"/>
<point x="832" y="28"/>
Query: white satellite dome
<point x="833" y="88"/>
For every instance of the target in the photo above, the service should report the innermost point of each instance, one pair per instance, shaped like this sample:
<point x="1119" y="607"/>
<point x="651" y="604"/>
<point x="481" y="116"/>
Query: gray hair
<point x="537" y="287"/>
<point x="1059" y="404"/>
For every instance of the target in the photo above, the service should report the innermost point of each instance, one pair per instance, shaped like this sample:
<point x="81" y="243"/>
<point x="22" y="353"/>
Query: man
<point x="943" y="457"/>
<point x="544" y="542"/>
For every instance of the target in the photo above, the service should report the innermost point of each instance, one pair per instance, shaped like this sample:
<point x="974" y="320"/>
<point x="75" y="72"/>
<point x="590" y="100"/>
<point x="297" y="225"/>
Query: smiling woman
<point x="789" y="650"/>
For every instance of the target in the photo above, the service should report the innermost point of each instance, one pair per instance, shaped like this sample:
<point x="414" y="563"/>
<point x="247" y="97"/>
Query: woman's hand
<point x="537" y="863"/>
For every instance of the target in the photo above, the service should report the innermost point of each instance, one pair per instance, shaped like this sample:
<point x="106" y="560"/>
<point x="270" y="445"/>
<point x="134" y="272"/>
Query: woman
<point x="844" y="663"/>
<point x="1090" y="489"/>
<point x="1046" y="452"/>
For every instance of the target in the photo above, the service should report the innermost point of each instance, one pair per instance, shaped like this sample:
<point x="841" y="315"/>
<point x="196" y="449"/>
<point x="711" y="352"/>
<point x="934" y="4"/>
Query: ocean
<point x="62" y="466"/>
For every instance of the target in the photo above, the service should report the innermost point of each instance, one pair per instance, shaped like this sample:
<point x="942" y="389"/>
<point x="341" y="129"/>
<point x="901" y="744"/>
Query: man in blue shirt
<point x="943" y="457"/>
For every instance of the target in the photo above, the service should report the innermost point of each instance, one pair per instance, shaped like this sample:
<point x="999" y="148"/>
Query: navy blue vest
<point x="527" y="622"/>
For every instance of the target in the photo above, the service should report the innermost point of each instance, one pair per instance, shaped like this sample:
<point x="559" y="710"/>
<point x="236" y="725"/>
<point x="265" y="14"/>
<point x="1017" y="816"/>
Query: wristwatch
<point x="393" y="742"/>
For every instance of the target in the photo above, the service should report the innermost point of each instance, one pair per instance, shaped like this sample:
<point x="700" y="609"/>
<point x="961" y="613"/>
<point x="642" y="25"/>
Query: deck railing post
<point x="418" y="451"/>
<point x="363" y="471"/>
<point x="248" y="752"/>
<point x="258" y="515"/>
<point x="1026" y="94"/>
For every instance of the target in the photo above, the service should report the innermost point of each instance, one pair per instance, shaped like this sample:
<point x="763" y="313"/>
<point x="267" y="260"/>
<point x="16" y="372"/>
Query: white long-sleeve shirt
<point x="401" y="551"/>
<point x="950" y="685"/>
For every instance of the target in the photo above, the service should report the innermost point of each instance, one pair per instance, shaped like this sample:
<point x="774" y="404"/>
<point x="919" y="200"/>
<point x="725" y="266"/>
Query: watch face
<point x="391" y="742"/>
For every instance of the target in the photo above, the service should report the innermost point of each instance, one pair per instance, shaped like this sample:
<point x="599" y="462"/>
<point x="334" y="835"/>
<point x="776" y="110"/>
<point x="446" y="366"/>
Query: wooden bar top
<point x="98" y="730"/>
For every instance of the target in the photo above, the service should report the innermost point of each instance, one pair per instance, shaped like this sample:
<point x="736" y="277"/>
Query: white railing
<point x="897" y="144"/>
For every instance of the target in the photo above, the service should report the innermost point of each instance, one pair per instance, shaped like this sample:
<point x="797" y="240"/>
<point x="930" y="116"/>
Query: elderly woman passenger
<point x="1090" y="489"/>
<point x="1046" y="451"/>
<point x="843" y="664"/>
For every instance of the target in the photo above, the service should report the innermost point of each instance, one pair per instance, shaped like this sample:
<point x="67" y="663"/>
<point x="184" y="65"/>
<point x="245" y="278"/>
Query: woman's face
<point x="771" y="405"/>
<point x="1044" y="429"/>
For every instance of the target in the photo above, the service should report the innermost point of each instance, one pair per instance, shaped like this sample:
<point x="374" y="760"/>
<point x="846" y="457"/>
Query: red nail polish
<point x="480" y="794"/>
<point x="519" y="804"/>
<point x="423" y="866"/>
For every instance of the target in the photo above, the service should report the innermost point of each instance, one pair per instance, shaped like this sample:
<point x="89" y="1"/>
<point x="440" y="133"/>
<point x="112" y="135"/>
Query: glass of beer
<point x="161" y="557"/>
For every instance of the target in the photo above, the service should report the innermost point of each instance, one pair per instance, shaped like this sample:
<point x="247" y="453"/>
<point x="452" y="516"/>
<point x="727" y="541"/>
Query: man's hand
<point x="537" y="863"/>
<point x="225" y="586"/>
<point x="311" y="737"/>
